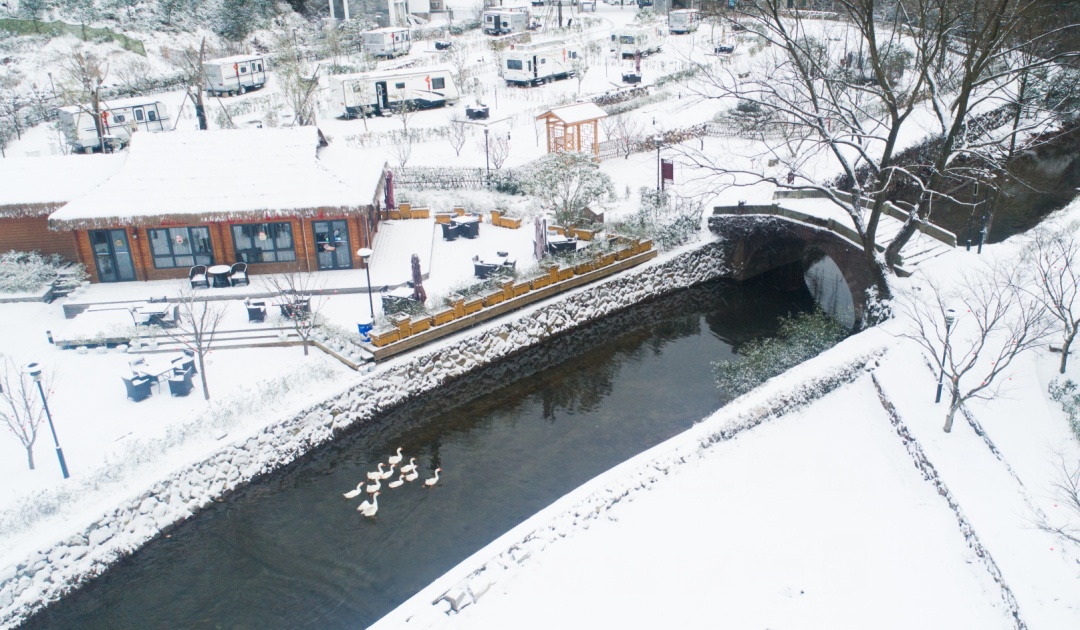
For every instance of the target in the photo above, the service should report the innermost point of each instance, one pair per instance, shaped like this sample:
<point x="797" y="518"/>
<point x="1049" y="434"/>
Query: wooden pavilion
<point x="573" y="128"/>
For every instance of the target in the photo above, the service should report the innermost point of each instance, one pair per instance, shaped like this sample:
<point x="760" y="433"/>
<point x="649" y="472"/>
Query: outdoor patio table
<point x="468" y="225"/>
<point x="220" y="275"/>
<point x="158" y="367"/>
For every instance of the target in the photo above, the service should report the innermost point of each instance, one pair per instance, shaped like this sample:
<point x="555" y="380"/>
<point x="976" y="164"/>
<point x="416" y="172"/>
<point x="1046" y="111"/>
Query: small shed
<point x="573" y="128"/>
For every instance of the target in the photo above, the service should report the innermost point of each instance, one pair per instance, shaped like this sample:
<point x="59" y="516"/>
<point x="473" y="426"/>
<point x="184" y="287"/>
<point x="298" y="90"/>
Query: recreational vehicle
<point x="119" y="118"/>
<point x="533" y="64"/>
<point x="504" y="20"/>
<point x="631" y="41"/>
<point x="389" y="42"/>
<point x="369" y="93"/>
<point x="234" y="75"/>
<point x="684" y="21"/>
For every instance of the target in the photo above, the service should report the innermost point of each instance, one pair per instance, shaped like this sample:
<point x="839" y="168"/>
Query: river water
<point x="290" y="552"/>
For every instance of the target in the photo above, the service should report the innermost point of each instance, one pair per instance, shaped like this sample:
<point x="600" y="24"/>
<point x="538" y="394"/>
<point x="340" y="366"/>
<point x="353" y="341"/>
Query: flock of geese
<point x="407" y="472"/>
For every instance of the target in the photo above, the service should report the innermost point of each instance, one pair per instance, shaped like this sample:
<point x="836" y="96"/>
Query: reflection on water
<point x="290" y="552"/>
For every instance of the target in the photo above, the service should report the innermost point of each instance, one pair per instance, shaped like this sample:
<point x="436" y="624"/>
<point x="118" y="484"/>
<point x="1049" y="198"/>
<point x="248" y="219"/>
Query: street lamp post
<point x="950" y="317"/>
<point x="34" y="371"/>
<point x="365" y="255"/>
<point x="487" y="159"/>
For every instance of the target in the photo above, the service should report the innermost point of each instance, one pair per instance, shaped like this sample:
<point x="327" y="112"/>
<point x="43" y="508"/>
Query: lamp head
<point x="950" y="317"/>
<point x="365" y="253"/>
<point x="33" y="370"/>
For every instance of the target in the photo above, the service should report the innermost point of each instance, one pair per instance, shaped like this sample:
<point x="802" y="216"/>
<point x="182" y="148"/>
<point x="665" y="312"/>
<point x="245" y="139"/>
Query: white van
<point x="120" y="118"/>
<point x="533" y="64"/>
<point x="389" y="42"/>
<point x="367" y="93"/>
<point x="684" y="21"/>
<point x="234" y="75"/>
<point x="505" y="20"/>
<point x="631" y="41"/>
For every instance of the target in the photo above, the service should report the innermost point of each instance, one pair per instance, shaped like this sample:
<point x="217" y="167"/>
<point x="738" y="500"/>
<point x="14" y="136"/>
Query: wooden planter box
<point x="495" y="216"/>
<point x="521" y="288"/>
<point x="643" y="246"/>
<point x="542" y="281"/>
<point x="558" y="229"/>
<point x="510" y="224"/>
<point x="420" y="213"/>
<point x="585" y="235"/>
<point x="443" y="217"/>
<point x="474" y="305"/>
<point x="404" y="207"/>
<point x="444" y="316"/>
<point x="565" y="273"/>
<point x="583" y="268"/>
<point x="404" y="325"/>
<point x="606" y="260"/>
<point x="493" y="298"/>
<point x="508" y="289"/>
<point x="384" y="337"/>
<point x="459" y="212"/>
<point x="456" y="303"/>
<point x="394" y="215"/>
<point x="553" y="274"/>
<point x="420" y="325"/>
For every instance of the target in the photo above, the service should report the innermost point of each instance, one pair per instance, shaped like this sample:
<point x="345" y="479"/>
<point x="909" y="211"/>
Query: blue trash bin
<point x="364" y="326"/>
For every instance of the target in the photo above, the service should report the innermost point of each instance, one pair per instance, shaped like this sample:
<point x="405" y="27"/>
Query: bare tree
<point x="10" y="102"/>
<point x="458" y="133"/>
<point x="625" y="130"/>
<point x="297" y="85"/>
<point x="993" y="323"/>
<point x="1067" y="493"/>
<point x="296" y="290"/>
<point x="458" y="57"/>
<point x="196" y="327"/>
<point x="405" y="109"/>
<point x="86" y="74"/>
<point x="1053" y="278"/>
<point x="20" y="407"/>
<point x="401" y="146"/>
<point x="190" y="63"/>
<point x="500" y="149"/>
<point x="844" y="88"/>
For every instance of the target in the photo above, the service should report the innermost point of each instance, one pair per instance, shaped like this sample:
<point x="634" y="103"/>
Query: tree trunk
<point x="1065" y="350"/>
<point x="30" y="456"/>
<point x="202" y="377"/>
<point x="954" y="404"/>
<point x="305" y="346"/>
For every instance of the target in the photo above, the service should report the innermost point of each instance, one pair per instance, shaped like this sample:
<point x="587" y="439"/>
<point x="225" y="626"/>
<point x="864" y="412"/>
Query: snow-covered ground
<point x="816" y="519"/>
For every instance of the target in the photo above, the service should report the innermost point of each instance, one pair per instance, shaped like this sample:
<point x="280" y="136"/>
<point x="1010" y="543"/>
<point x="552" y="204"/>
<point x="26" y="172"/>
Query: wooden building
<point x="573" y="128"/>
<point x="260" y="196"/>
<point x="32" y="188"/>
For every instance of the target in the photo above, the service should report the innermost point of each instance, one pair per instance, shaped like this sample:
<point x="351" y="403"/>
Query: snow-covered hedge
<point x="30" y="271"/>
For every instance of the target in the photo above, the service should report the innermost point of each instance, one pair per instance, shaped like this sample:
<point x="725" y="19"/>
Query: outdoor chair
<point x="180" y="382"/>
<point x="169" y="320"/>
<point x="186" y="364"/>
<point x="449" y="232"/>
<point x="198" y="278"/>
<point x="137" y="388"/>
<point x="238" y="274"/>
<point x="256" y="312"/>
<point x="482" y="270"/>
<point x="296" y="310"/>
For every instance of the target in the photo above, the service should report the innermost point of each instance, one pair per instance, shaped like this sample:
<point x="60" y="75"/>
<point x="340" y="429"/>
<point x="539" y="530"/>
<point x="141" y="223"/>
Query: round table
<point x="219" y="274"/>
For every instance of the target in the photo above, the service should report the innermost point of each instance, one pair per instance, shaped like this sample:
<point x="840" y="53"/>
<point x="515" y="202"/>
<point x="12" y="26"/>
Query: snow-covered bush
<point x="1068" y="394"/>
<point x="566" y="182"/>
<point x="799" y="338"/>
<point x="669" y="222"/>
<point x="30" y="271"/>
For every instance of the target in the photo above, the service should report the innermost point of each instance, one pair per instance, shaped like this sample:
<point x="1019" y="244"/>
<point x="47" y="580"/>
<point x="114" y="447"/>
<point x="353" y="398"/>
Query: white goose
<point x="411" y="466"/>
<point x="390" y="473"/>
<point x="434" y="480"/>
<point x="411" y="476"/>
<point x="397" y="484"/>
<point x="376" y="474"/>
<point x="355" y="493"/>
<point x="369" y="508"/>
<point x="395" y="459"/>
<point x="374" y="487"/>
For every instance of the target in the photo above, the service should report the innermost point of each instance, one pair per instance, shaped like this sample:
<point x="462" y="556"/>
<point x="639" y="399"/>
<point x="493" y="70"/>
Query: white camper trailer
<point x="367" y="93"/>
<point x="631" y="41"/>
<point x="684" y="21"/>
<point x="533" y="64"/>
<point x="120" y="118"/>
<point x="234" y="75"/>
<point x="389" y="42"/>
<point x="505" y="20"/>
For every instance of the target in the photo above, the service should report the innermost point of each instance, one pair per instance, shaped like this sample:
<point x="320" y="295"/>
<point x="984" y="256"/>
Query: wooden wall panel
<point x="27" y="234"/>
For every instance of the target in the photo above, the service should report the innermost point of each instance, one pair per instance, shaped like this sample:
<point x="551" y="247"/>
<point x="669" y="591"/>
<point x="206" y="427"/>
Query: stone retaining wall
<point x="45" y="576"/>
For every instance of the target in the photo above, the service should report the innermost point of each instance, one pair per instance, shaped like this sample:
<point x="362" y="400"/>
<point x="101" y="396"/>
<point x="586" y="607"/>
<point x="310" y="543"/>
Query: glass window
<point x="151" y="115"/>
<point x="138" y="115"/>
<point x="264" y="242"/>
<point x="399" y="86"/>
<point x="119" y="118"/>
<point x="181" y="247"/>
<point x="439" y="84"/>
<point x="513" y="64"/>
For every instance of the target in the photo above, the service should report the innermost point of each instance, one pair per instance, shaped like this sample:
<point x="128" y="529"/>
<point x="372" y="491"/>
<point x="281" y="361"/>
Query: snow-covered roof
<point x="231" y="60"/>
<point x="117" y="103"/>
<point x="576" y="113"/>
<point x="356" y="168"/>
<point x="394" y="72"/>
<point x="387" y="29"/>
<point x="35" y="186"/>
<point x="195" y="176"/>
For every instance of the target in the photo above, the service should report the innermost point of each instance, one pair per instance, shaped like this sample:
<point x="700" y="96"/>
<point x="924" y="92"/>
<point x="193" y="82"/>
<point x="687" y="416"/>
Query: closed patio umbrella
<point x="389" y="190"/>
<point x="540" y="243"/>
<point x="418" y="281"/>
